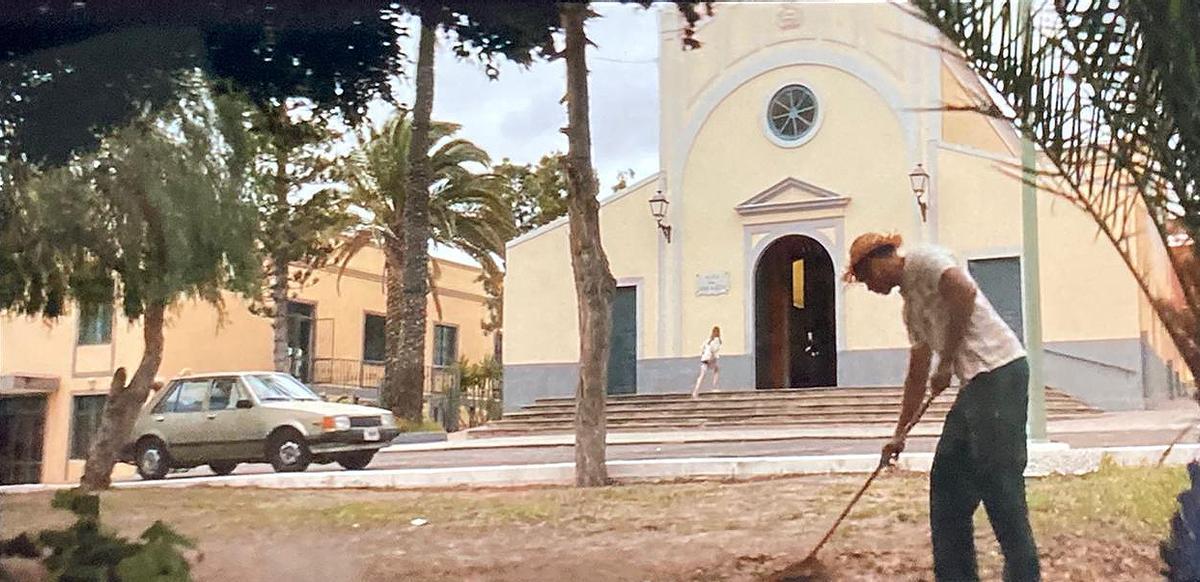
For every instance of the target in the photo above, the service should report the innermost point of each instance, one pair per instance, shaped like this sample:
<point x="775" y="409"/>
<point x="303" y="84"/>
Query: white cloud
<point x="519" y="116"/>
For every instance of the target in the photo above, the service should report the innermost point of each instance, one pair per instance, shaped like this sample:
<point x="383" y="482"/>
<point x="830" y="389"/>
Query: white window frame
<point x="812" y="131"/>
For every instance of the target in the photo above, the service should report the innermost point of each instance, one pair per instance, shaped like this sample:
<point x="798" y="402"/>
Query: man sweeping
<point x="981" y="455"/>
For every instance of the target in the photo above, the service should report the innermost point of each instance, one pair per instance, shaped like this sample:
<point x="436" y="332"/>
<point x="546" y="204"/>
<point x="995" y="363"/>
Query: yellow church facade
<point x="792" y="130"/>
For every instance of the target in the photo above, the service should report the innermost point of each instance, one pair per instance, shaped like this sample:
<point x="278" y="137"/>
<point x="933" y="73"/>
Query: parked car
<point x="252" y="417"/>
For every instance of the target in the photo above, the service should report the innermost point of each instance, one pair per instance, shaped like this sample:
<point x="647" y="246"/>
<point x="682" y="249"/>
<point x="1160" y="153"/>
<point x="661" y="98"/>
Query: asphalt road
<point x="565" y="454"/>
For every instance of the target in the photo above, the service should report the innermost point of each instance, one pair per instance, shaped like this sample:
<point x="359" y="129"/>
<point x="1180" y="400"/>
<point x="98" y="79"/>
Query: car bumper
<point x="354" y="439"/>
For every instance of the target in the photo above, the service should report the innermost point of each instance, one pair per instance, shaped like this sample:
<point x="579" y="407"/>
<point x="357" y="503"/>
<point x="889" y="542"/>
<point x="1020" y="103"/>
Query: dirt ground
<point x="1104" y="526"/>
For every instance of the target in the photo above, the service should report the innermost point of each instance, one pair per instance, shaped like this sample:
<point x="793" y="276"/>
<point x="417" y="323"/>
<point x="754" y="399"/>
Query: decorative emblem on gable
<point x="788" y="17"/>
<point x="791" y="194"/>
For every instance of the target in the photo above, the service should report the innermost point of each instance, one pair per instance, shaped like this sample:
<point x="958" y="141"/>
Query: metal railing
<point x="347" y="373"/>
<point x="348" y="380"/>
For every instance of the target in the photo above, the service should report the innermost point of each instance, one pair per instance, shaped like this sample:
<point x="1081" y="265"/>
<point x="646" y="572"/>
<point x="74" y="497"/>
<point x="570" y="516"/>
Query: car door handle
<point x="212" y="416"/>
<point x="159" y="418"/>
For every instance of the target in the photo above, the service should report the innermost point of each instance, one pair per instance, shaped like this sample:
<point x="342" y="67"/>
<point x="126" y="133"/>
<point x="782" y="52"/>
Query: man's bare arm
<point x="919" y="359"/>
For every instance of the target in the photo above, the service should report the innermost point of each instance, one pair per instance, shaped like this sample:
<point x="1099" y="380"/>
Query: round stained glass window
<point x="792" y="114"/>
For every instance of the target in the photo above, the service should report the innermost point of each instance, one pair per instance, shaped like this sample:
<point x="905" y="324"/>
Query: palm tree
<point x="1107" y="91"/>
<point x="467" y="211"/>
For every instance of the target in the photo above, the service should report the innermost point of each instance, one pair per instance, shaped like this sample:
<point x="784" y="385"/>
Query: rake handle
<point x="1175" y="441"/>
<point x="883" y="463"/>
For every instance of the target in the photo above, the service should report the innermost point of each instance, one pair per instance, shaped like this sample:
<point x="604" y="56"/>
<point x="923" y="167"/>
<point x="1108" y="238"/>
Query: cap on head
<point x="864" y="246"/>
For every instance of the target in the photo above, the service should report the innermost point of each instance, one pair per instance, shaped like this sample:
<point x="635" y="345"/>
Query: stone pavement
<point x="1158" y="422"/>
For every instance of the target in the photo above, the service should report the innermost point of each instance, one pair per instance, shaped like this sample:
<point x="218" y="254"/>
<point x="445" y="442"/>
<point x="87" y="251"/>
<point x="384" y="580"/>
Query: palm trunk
<point x="279" y="314"/>
<point x="411" y="364"/>
<point x="594" y="284"/>
<point x="124" y="403"/>
<point x="393" y="332"/>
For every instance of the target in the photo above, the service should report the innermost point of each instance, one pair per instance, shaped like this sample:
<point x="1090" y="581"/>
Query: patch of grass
<point x="1130" y="502"/>
<point x="1137" y="500"/>
<point x="441" y="510"/>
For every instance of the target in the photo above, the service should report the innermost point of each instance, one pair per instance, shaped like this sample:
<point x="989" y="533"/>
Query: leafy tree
<point x="525" y="34"/>
<point x="467" y="211"/>
<point x="153" y="216"/>
<point x="289" y="150"/>
<point x="594" y="283"/>
<point x="536" y="193"/>
<point x="105" y="61"/>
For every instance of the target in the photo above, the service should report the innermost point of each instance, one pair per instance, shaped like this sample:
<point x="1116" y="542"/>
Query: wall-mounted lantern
<point x="919" y="179"/>
<point x="658" y="209"/>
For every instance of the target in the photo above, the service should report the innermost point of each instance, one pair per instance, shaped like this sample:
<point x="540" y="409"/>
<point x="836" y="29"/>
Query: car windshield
<point x="274" y="387"/>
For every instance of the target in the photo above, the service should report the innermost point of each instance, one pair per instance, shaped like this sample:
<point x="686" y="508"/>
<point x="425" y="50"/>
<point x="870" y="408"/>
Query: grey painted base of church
<point x="525" y="383"/>
<point x="1121" y="374"/>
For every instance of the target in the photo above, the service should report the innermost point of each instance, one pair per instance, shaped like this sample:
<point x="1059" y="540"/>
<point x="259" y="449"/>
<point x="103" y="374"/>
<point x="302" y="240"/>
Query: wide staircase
<point x="810" y="407"/>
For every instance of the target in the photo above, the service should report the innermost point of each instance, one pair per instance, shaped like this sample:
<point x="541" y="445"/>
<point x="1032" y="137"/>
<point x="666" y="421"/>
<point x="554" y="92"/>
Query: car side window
<point x="223" y="395"/>
<point x="167" y="404"/>
<point x="191" y="396"/>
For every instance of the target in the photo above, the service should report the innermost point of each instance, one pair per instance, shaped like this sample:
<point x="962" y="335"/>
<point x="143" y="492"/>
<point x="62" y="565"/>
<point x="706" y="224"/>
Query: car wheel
<point x="357" y="460"/>
<point x="222" y="467"/>
<point x="152" y="460"/>
<point x="287" y="452"/>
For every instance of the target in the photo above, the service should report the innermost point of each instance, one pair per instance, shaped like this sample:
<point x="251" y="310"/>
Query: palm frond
<point x="1107" y="91"/>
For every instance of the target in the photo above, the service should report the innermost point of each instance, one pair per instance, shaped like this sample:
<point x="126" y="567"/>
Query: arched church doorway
<point x="795" y="316"/>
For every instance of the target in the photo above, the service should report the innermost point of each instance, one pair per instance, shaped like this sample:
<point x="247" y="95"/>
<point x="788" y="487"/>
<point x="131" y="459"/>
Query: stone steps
<point x="798" y="404"/>
<point x="759" y="395"/>
<point x="855" y="406"/>
<point x="826" y="412"/>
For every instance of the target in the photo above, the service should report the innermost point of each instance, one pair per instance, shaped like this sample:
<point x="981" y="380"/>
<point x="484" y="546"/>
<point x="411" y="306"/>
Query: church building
<point x="793" y="129"/>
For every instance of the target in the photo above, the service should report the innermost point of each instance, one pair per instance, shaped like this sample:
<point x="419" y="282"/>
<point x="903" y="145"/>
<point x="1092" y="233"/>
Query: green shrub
<point x="87" y="552"/>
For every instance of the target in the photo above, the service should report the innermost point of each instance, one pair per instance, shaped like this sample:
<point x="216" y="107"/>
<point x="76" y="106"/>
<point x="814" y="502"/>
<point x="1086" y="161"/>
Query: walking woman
<point x="709" y="354"/>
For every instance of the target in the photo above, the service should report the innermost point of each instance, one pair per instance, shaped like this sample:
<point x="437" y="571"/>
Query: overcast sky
<point x="519" y="116"/>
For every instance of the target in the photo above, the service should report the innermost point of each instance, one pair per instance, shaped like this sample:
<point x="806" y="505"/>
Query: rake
<point x="810" y="569"/>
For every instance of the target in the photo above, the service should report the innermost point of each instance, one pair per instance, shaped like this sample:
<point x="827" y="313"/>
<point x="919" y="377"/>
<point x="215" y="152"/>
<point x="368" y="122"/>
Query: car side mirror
<point x="245" y="403"/>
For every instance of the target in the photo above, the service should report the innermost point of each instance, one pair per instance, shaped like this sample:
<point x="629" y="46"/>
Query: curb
<point x="659" y="438"/>
<point x="417" y="438"/>
<point x="927" y="430"/>
<point x="1044" y="460"/>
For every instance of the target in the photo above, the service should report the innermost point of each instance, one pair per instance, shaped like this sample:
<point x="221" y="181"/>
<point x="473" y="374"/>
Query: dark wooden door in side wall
<point x="622" y="359"/>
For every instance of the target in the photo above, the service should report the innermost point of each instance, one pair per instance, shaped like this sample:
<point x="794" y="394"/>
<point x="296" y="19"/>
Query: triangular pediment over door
<point x="791" y="194"/>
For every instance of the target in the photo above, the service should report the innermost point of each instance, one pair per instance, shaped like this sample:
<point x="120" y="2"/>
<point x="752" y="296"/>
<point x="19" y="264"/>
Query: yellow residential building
<point x="793" y="129"/>
<point x="54" y="375"/>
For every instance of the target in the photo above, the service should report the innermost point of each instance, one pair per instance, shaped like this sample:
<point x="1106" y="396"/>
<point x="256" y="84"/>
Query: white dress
<point x="709" y="352"/>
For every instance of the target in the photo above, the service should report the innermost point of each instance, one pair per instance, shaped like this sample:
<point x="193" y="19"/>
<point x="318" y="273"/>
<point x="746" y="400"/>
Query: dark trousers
<point x="981" y="458"/>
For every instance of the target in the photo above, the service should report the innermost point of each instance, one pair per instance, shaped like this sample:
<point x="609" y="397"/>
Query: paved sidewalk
<point x="1148" y="421"/>
<point x="1043" y="460"/>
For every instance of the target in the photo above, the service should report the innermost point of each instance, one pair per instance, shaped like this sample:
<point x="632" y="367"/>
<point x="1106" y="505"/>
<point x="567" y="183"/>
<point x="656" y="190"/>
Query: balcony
<point x="357" y="381"/>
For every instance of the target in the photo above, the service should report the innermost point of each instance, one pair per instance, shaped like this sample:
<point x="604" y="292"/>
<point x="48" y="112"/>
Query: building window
<point x="374" y="338"/>
<point x="792" y="115"/>
<point x="445" y="346"/>
<point x="85" y="421"/>
<point x="95" y="324"/>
